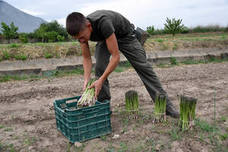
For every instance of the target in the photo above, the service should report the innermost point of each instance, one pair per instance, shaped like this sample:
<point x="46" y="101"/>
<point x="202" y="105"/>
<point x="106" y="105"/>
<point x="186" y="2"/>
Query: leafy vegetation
<point x="9" y="31"/>
<point x="51" y="32"/>
<point x="173" y="26"/>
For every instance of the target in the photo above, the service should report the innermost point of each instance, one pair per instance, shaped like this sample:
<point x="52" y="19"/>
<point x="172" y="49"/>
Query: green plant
<point x="123" y="147"/>
<point x="224" y="136"/>
<point x="1" y="126"/>
<point x="175" y="46"/>
<point x="20" y="57"/>
<point x="8" y="129"/>
<point x="104" y="138"/>
<point x="6" y="55"/>
<point x="173" y="61"/>
<point x="173" y="26"/>
<point x="11" y="148"/>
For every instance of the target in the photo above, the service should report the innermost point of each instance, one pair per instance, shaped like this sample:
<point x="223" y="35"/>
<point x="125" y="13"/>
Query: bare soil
<point x="27" y="118"/>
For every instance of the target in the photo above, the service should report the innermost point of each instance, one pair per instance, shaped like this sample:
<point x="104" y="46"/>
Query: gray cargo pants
<point x="135" y="54"/>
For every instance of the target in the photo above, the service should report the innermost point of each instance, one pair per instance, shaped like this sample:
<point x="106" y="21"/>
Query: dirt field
<point x="27" y="120"/>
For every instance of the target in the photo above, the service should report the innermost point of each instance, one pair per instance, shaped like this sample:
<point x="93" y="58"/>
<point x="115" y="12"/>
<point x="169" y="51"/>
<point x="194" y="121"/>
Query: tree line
<point x="54" y="32"/>
<point x="47" y="32"/>
<point x="174" y="26"/>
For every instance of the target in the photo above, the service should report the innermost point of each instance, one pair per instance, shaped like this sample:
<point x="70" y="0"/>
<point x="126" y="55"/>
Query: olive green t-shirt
<point x="105" y="22"/>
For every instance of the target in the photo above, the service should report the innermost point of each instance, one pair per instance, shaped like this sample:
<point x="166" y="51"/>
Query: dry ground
<point x="27" y="119"/>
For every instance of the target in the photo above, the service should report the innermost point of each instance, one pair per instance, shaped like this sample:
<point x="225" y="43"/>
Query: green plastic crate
<point x="84" y="123"/>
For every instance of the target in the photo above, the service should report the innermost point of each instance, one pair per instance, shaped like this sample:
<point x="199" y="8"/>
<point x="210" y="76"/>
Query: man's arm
<point x="87" y="62"/>
<point x="113" y="48"/>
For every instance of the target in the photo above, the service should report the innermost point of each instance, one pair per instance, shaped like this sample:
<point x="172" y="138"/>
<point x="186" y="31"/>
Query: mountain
<point x="25" y="22"/>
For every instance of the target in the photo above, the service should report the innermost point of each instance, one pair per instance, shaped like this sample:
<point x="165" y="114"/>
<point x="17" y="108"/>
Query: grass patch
<point x="159" y="40"/>
<point x="205" y="126"/>
<point x="48" y="55"/>
<point x="8" y="129"/>
<point x="123" y="147"/>
<point x="6" y="55"/>
<point x="29" y="141"/>
<point x="7" y="147"/>
<point x="174" y="134"/>
<point x="14" y="45"/>
<point x="13" y="77"/>
<point x="21" y="57"/>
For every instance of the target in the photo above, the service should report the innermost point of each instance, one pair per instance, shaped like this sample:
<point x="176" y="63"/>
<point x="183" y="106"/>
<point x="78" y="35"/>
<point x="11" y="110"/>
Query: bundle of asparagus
<point x="187" y="111"/>
<point x="160" y="108"/>
<point x="87" y="98"/>
<point x="132" y="101"/>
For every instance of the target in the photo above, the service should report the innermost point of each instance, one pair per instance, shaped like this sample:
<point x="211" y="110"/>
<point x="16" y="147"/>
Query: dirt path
<point x="27" y="119"/>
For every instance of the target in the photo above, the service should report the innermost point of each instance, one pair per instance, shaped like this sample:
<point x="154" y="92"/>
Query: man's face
<point x="84" y="35"/>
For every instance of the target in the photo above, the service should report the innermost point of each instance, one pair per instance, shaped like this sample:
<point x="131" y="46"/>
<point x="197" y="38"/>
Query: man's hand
<point x="97" y="85"/>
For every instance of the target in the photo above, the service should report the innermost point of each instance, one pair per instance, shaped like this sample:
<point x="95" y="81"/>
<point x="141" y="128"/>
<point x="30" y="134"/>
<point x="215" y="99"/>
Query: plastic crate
<point x="84" y="123"/>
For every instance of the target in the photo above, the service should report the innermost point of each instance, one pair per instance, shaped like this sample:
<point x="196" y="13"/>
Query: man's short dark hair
<point x="75" y="22"/>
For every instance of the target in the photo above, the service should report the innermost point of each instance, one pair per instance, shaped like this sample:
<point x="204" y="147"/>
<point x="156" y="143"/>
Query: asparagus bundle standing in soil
<point x="160" y="108"/>
<point x="187" y="111"/>
<point x="131" y="101"/>
<point x="87" y="98"/>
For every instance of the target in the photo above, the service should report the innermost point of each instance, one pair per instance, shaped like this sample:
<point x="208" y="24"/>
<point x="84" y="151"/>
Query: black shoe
<point x="171" y="111"/>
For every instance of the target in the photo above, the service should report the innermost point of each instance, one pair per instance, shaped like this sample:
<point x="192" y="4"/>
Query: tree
<point x="173" y="26"/>
<point x="9" y="32"/>
<point x="150" y="30"/>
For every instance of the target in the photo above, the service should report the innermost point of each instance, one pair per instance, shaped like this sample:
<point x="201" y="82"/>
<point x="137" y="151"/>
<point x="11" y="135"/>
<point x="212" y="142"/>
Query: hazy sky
<point x="142" y="13"/>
